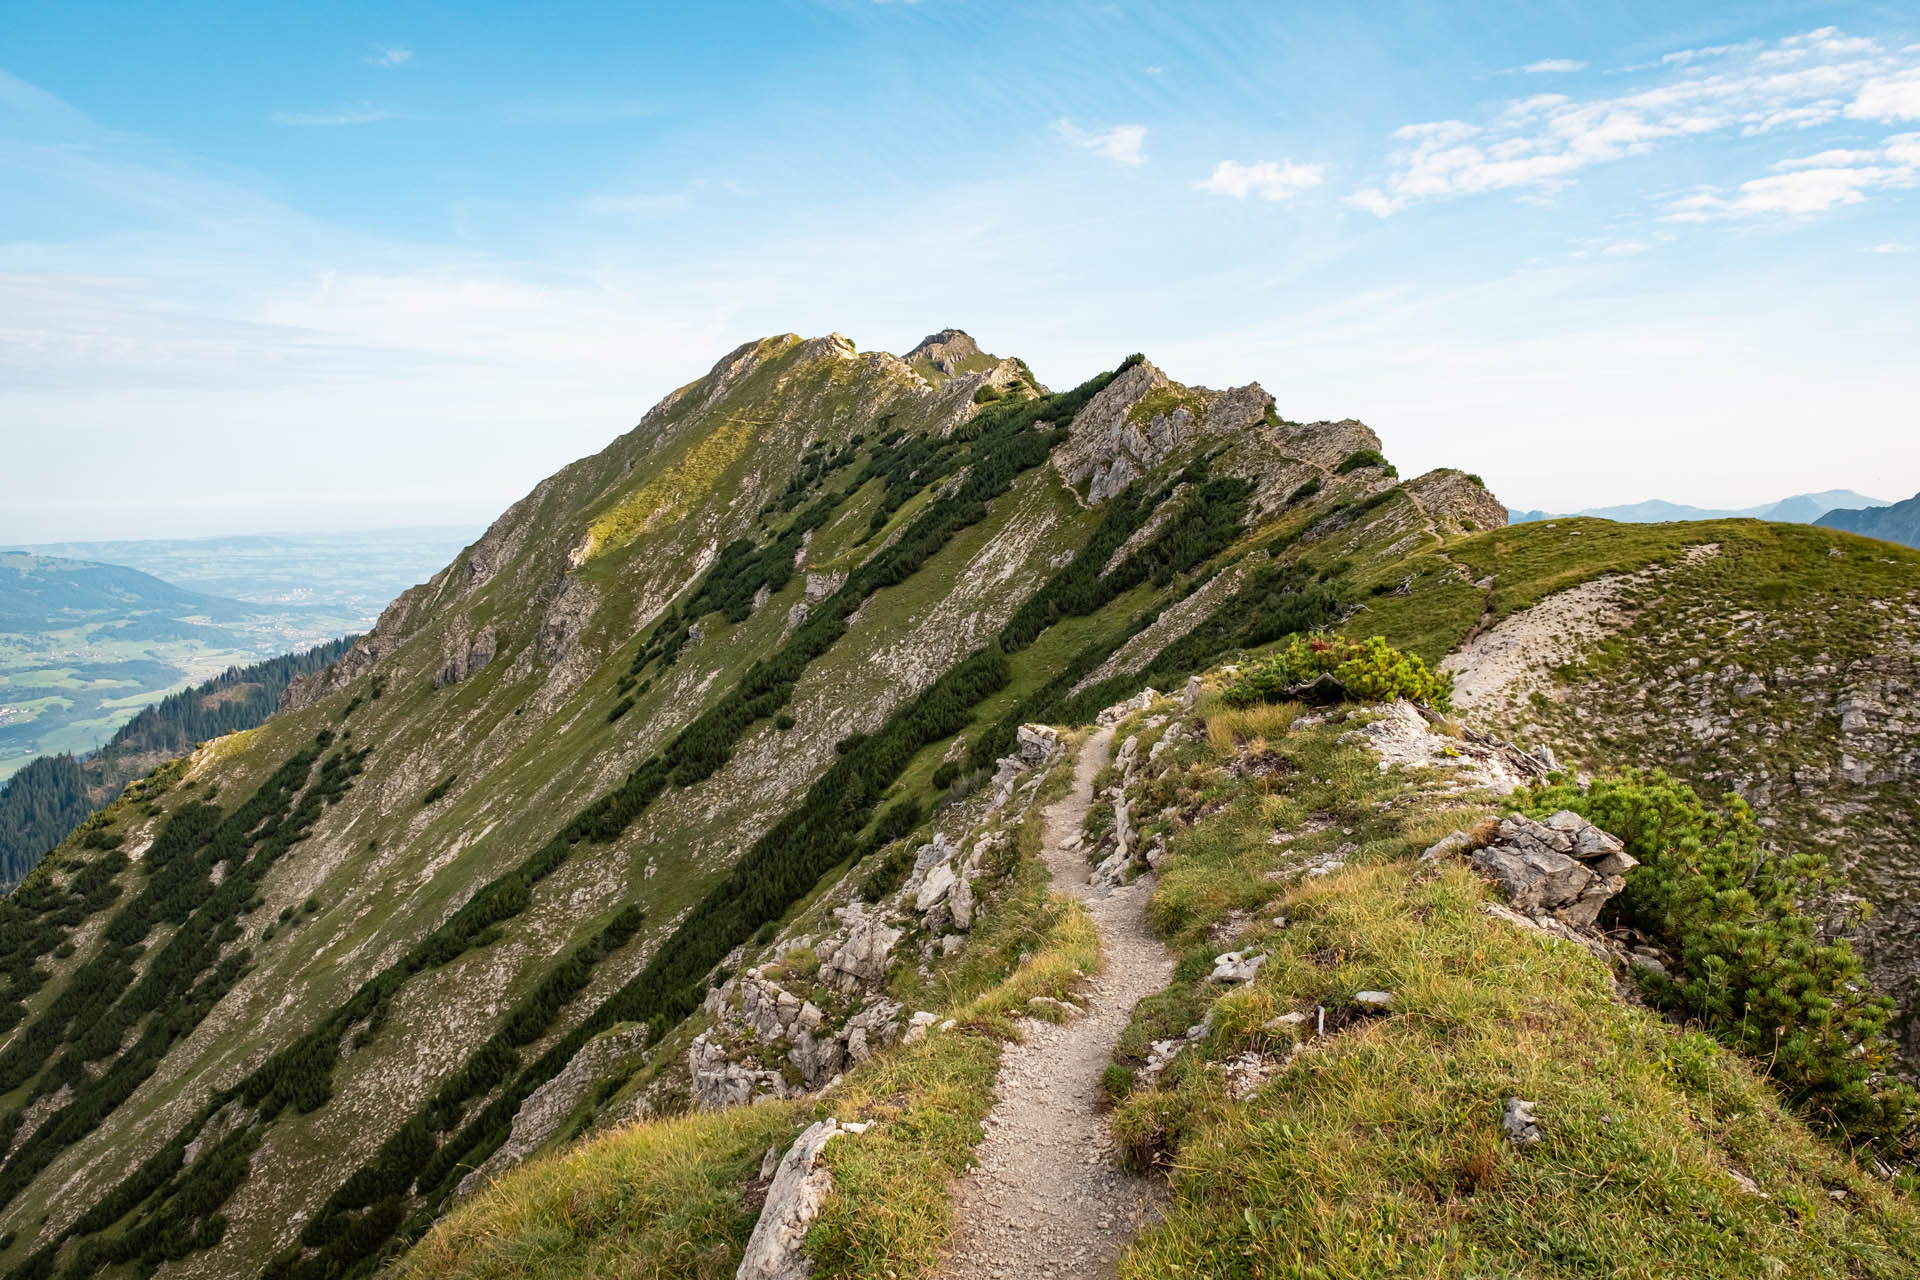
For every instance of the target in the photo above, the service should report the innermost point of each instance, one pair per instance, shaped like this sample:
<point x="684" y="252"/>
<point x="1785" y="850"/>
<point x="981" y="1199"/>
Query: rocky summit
<point x="883" y="815"/>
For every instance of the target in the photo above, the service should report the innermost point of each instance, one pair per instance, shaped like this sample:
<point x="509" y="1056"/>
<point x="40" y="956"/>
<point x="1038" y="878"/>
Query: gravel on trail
<point x="1047" y="1197"/>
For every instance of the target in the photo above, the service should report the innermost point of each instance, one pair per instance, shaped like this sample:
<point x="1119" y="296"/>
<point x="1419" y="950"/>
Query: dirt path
<point x="1046" y="1198"/>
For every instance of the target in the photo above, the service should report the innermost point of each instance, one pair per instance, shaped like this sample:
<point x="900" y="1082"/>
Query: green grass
<point x="1377" y="1150"/>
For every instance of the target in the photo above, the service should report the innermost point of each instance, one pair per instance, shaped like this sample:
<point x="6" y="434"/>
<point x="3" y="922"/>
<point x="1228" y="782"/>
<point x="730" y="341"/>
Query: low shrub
<point x="1755" y="965"/>
<point x="943" y="776"/>
<point x="1366" y="458"/>
<point x="1305" y="491"/>
<point x="1358" y="671"/>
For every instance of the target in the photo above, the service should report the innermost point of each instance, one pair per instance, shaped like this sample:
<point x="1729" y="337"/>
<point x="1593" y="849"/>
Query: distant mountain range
<point x="1802" y="508"/>
<point x="1895" y="522"/>
<point x="353" y="574"/>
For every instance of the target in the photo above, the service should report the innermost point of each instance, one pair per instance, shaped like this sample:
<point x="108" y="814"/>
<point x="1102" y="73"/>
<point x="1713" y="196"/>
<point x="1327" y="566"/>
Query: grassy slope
<point x="1378" y="1150"/>
<point x="676" y="1197"/>
<point x="1376" y="1153"/>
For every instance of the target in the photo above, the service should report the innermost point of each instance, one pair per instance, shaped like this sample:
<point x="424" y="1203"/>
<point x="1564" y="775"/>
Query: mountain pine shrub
<point x="1756" y="967"/>
<point x="1366" y="458"/>
<point x="1367" y="670"/>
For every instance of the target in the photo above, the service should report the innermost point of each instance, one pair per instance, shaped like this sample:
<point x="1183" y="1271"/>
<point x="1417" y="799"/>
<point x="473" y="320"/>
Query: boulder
<point x="935" y="888"/>
<point x="1038" y="743"/>
<point x="1523" y="1129"/>
<point x="801" y="1184"/>
<point x="1235" y="966"/>
<point x="1564" y="867"/>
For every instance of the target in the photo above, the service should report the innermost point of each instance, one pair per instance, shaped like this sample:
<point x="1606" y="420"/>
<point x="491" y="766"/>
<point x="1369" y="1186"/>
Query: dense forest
<point x="50" y="796"/>
<point x="38" y="806"/>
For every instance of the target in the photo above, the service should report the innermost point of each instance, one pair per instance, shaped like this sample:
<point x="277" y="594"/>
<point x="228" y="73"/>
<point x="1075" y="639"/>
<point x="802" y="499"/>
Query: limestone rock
<point x="1523" y="1128"/>
<point x="857" y="955"/>
<point x="1544" y="866"/>
<point x="719" y="1082"/>
<point x="822" y="585"/>
<point x="934" y="889"/>
<point x="801" y="1184"/>
<point x="1039" y="743"/>
<point x="1235" y="967"/>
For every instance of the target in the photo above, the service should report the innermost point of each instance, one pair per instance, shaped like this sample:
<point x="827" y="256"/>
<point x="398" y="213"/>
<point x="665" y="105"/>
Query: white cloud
<point x="1548" y="65"/>
<point x="362" y="114"/>
<point x="1372" y="200"/>
<point x="1122" y="143"/>
<point x="1826" y="159"/>
<point x="1889" y="246"/>
<point x="1156" y="71"/>
<point x="1536" y="145"/>
<point x="1270" y="180"/>
<point x="1894" y="97"/>
<point x="388" y="56"/>
<point x="1812" y="184"/>
<point x="1684" y="57"/>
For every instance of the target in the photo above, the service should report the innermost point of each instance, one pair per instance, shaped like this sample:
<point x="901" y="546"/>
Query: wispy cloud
<point x="388" y="56"/>
<point x="1541" y="143"/>
<point x="1811" y="184"/>
<point x="362" y="114"/>
<point x="1122" y="143"/>
<point x="1551" y="65"/>
<point x="1270" y="180"/>
<point x="1890" y="246"/>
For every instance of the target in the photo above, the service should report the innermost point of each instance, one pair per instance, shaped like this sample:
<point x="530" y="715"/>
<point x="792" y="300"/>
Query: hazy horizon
<point x="392" y="266"/>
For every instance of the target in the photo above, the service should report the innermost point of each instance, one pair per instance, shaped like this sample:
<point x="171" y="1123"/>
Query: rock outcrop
<point x="1564" y="867"/>
<point x="801" y="1184"/>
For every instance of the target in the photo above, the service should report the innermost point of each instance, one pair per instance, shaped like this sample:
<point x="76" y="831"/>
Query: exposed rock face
<point x="1807" y="708"/>
<point x="1564" y="867"/>
<point x="1039" y="743"/>
<point x="858" y="956"/>
<point x="822" y="585"/>
<point x="947" y="351"/>
<point x="801" y="1184"/>
<point x="718" y="1081"/>
<point x="1402" y="735"/>
<point x="1455" y="503"/>
<point x="1112" y="446"/>
<point x="469" y="660"/>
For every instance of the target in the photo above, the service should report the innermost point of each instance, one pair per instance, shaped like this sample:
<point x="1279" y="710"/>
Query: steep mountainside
<point x="1897" y="523"/>
<point x="746" y="700"/>
<point x="558" y="783"/>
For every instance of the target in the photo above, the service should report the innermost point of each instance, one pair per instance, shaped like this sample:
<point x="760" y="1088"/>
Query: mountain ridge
<point x="705" y="692"/>
<point x="1802" y="508"/>
<point x="1896" y="522"/>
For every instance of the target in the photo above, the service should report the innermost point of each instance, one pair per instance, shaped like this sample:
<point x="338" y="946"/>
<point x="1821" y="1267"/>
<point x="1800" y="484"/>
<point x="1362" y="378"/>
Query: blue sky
<point x="367" y="265"/>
